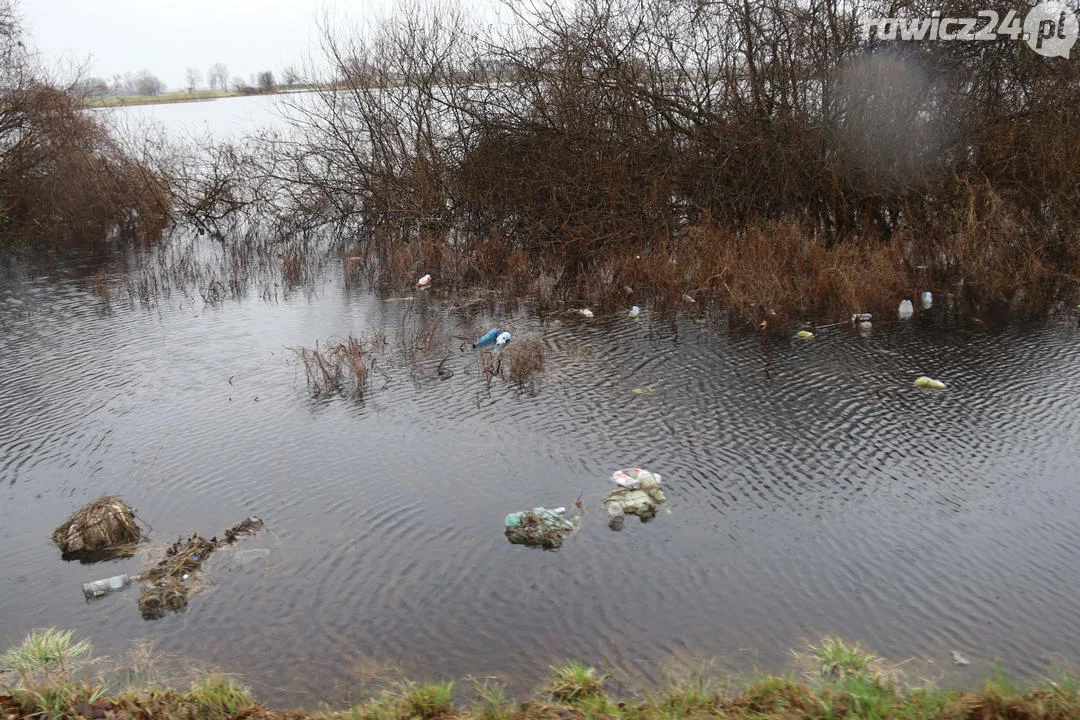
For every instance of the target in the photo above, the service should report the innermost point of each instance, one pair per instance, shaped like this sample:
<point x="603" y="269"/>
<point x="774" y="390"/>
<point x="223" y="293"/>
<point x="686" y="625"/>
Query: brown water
<point x="813" y="489"/>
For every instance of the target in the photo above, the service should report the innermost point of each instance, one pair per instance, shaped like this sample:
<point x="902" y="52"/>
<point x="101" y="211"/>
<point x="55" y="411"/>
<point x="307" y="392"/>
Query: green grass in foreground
<point x="47" y="677"/>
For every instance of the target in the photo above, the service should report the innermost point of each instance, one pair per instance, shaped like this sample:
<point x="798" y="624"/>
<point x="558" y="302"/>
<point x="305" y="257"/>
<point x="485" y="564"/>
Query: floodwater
<point x="813" y="489"/>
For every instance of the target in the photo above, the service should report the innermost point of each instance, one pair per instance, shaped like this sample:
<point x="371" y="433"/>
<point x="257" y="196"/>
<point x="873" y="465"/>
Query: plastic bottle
<point x="635" y="311"/>
<point x="861" y="318"/>
<point x="503" y="338"/>
<point x="487" y="338"/>
<point x="103" y="587"/>
<point x="927" y="299"/>
<point x="906" y="309"/>
<point x="424" y="281"/>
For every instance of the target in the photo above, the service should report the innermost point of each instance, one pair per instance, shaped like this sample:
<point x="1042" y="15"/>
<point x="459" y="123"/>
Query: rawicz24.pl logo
<point x="1050" y="28"/>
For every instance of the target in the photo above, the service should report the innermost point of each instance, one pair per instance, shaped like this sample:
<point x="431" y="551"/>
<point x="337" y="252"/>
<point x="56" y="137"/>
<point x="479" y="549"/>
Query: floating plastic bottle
<point x="804" y="334"/>
<point x="487" y="338"/>
<point x="927" y="382"/>
<point x="635" y="311"/>
<point x="927" y="299"/>
<point x="585" y="312"/>
<point x="503" y="338"/>
<point x="423" y="282"/>
<point x="857" y="318"/>
<point x="103" y="587"/>
<point x="906" y="309"/>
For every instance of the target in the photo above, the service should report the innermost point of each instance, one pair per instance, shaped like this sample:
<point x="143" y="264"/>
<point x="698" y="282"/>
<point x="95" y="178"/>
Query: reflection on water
<point x="812" y="488"/>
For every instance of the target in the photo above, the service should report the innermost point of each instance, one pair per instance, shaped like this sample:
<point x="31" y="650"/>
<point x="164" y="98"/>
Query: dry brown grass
<point x="341" y="366"/>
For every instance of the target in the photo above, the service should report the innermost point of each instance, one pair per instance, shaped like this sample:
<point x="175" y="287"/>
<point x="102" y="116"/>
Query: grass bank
<point x="159" y="99"/>
<point x="836" y="680"/>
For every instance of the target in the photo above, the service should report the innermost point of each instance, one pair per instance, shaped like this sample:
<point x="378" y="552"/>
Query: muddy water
<point x="813" y="489"/>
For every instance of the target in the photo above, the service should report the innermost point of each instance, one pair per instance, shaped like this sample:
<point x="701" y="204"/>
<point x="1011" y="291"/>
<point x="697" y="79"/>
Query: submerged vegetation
<point x="766" y="156"/>
<point x="49" y="676"/>
<point x="770" y="160"/>
<point x="64" y="179"/>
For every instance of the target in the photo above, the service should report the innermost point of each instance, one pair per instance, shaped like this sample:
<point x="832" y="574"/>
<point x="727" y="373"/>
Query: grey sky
<point x="166" y="37"/>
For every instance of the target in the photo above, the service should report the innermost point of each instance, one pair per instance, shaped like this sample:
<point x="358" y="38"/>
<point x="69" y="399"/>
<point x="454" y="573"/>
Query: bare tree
<point x="290" y="75"/>
<point x="265" y="81"/>
<point x="146" y="83"/>
<point x="194" y="77"/>
<point x="218" y="76"/>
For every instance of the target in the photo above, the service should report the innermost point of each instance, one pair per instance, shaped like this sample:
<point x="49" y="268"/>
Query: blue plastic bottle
<point x="488" y="338"/>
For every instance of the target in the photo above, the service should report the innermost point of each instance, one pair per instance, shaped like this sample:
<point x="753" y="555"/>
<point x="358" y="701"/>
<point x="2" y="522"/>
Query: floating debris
<point x="585" y="312"/>
<point x="100" y="530"/>
<point x="927" y="382"/>
<point x="639" y="493"/>
<point x="804" y="335"/>
<point x="927" y="299"/>
<point x="502" y="339"/>
<point x="164" y="588"/>
<point x="540" y="527"/>
<point x="689" y="299"/>
<point x="423" y="282"/>
<point x="906" y="309"/>
<point x="635" y="311"/>
<point x="959" y="659"/>
<point x="487" y="338"/>
<point x="643" y="390"/>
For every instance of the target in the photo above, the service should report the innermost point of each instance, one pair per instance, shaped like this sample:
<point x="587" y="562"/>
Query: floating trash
<point x="804" y="334"/>
<point x="927" y="382"/>
<point x="635" y="311"/>
<point x="689" y="299"/>
<point x="540" y="527"/>
<point x="959" y="659"/>
<point x="502" y="339"/>
<point x="643" y="390"/>
<point x="487" y="338"/>
<point x="585" y="312"/>
<point x="423" y="282"/>
<point x="639" y="493"/>
<point x="906" y="309"/>
<point x="927" y="299"/>
<point x="857" y="318"/>
<point x="99" y="588"/>
<point x="244" y="557"/>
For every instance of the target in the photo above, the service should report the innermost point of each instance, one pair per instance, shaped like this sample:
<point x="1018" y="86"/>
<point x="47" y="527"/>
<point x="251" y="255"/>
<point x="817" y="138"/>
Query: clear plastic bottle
<point x="103" y="587"/>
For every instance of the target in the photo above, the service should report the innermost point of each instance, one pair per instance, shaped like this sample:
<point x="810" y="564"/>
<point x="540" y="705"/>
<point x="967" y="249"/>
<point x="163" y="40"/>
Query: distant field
<point x="169" y="97"/>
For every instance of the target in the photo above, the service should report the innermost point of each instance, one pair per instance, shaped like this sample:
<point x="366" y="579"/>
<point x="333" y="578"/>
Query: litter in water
<point x="688" y="299"/>
<point x="639" y="493"/>
<point x="927" y="382"/>
<point x="959" y="659"/>
<point x="98" y="588"/>
<point x="423" y="282"/>
<point x="635" y="311"/>
<point x="540" y="527"/>
<point x="906" y="309"/>
<point x="643" y="390"/>
<point x="487" y="338"/>
<point x="585" y="312"/>
<point x="804" y="334"/>
<point x="927" y="299"/>
<point x="243" y="557"/>
<point x="502" y="339"/>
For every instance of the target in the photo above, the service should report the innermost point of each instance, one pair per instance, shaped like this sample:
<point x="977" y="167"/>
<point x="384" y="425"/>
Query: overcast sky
<point x="168" y="36"/>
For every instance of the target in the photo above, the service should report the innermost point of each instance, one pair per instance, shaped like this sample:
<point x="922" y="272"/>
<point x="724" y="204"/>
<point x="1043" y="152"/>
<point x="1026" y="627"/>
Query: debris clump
<point x="167" y="585"/>
<point x="100" y="530"/>
<point x="540" y="527"/>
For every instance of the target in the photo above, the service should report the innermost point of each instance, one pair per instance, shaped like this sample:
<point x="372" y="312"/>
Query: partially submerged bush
<point x="62" y="176"/>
